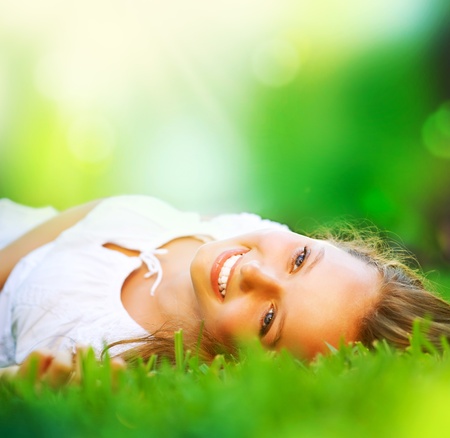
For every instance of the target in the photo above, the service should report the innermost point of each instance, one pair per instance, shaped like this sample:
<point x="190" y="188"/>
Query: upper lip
<point x="217" y="266"/>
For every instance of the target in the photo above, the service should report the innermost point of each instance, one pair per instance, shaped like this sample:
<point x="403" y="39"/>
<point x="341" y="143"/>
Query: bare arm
<point x="42" y="234"/>
<point x="58" y="368"/>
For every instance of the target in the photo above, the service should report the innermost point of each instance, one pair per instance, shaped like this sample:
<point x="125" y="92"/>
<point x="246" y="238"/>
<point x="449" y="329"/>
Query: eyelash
<point x="301" y="253"/>
<point x="265" y="326"/>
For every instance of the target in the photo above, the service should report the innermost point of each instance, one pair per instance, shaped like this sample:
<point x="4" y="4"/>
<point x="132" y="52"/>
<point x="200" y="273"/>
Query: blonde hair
<point x="162" y="344"/>
<point x="404" y="294"/>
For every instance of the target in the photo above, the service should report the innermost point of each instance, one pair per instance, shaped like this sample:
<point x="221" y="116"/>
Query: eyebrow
<point x="279" y="334"/>
<point x="316" y="260"/>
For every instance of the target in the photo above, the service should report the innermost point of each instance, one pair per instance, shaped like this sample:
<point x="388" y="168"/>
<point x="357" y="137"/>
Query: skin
<point x="307" y="292"/>
<point x="310" y="291"/>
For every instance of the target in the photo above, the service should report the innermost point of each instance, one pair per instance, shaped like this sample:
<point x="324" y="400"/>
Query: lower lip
<point x="217" y="267"/>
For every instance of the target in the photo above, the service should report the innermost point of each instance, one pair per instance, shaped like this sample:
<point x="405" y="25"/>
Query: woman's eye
<point x="267" y="321"/>
<point x="299" y="258"/>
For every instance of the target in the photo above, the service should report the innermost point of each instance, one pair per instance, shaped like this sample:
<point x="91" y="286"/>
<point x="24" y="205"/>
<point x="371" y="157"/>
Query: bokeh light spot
<point x="443" y="119"/>
<point x="276" y="62"/>
<point x="91" y="139"/>
<point x="436" y="132"/>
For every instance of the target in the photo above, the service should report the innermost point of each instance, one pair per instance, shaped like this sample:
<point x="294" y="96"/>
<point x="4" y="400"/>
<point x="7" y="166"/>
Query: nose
<point x="253" y="277"/>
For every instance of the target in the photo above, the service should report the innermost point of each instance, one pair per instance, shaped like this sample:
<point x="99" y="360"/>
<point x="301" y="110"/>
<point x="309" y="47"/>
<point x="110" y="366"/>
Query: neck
<point x="174" y="301"/>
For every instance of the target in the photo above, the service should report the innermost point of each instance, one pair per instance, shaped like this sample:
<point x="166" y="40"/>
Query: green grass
<point x="351" y="392"/>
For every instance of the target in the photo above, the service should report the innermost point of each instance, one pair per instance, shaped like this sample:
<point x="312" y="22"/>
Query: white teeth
<point x="225" y="272"/>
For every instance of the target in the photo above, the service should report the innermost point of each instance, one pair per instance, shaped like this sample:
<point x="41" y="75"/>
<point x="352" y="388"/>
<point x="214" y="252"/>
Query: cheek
<point x="234" y="321"/>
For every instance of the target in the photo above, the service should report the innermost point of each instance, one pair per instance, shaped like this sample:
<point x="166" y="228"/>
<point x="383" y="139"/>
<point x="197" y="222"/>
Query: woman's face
<point x="289" y="290"/>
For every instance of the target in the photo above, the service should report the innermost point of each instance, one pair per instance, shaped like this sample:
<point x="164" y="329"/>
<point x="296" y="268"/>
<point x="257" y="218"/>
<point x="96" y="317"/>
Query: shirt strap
<point x="153" y="266"/>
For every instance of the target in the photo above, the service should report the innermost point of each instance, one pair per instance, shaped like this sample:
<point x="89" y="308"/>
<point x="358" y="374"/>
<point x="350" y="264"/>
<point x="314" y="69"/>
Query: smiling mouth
<point x="224" y="273"/>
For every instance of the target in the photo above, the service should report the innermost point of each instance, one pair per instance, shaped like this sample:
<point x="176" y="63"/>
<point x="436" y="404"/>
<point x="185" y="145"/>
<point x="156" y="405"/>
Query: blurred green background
<point x="302" y="111"/>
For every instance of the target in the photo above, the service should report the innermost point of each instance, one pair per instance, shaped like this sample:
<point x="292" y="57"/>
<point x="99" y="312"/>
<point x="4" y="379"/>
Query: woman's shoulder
<point x="132" y="221"/>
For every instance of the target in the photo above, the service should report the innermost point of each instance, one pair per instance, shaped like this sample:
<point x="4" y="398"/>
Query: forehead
<point x="326" y="302"/>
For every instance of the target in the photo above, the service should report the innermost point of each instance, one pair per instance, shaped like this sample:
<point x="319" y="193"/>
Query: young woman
<point x="128" y="271"/>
